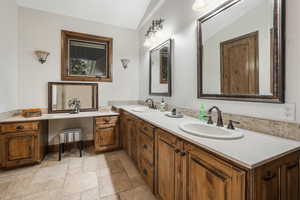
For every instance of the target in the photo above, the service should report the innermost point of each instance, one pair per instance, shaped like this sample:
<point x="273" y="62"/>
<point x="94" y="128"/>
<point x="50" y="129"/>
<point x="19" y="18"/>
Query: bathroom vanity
<point x="177" y="165"/>
<point x="24" y="141"/>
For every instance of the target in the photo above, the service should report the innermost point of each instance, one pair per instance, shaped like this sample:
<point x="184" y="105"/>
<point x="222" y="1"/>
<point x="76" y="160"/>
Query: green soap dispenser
<point x="202" y="113"/>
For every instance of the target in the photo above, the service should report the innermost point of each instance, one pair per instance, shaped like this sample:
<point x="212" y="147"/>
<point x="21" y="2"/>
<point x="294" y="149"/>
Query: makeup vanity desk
<point x="25" y="140"/>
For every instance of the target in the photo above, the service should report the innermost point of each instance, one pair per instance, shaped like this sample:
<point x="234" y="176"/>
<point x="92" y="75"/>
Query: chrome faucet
<point x="151" y="105"/>
<point x="220" y="119"/>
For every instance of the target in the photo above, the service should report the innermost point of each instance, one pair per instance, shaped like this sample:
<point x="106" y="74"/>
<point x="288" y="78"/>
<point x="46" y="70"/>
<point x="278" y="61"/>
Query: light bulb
<point x="147" y="43"/>
<point x="199" y="5"/>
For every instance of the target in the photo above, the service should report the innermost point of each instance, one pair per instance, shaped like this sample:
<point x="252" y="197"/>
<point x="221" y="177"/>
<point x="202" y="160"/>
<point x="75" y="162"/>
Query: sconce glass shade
<point x="125" y="62"/>
<point x="199" y="5"/>
<point x="42" y="56"/>
<point x="147" y="43"/>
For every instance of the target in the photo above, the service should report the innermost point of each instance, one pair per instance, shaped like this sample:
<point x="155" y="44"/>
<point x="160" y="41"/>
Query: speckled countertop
<point x="253" y="150"/>
<point x="19" y="118"/>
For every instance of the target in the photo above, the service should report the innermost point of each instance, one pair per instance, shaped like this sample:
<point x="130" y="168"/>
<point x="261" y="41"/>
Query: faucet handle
<point x="230" y="124"/>
<point x="209" y="120"/>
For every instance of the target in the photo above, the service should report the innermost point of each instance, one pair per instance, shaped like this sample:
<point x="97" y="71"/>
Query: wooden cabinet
<point x="208" y="177"/>
<point x="106" y="133"/>
<point x="278" y="180"/>
<point x="177" y="170"/>
<point x="23" y="143"/>
<point x="167" y="171"/>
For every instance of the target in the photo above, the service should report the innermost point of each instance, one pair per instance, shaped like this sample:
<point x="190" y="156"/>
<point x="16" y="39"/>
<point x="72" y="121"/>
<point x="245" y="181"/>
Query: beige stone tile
<point x="139" y="193"/>
<point x="90" y="164"/>
<point x="49" y="173"/>
<point x="75" y="196"/>
<point x="114" y="184"/>
<point x="111" y="197"/>
<point x="45" y="195"/>
<point x="130" y="168"/>
<point x="92" y="194"/>
<point x="115" y="166"/>
<point x="137" y="181"/>
<point x="80" y="182"/>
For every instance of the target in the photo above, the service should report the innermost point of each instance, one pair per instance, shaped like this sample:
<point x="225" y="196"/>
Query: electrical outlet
<point x="289" y="112"/>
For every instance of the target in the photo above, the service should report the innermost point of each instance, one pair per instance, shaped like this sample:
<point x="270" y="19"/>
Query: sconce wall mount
<point x="42" y="56"/>
<point x="125" y="62"/>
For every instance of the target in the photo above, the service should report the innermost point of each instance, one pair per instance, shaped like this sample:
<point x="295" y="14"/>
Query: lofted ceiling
<point x="123" y="13"/>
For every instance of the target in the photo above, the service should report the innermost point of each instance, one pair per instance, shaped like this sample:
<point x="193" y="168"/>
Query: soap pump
<point x="162" y="106"/>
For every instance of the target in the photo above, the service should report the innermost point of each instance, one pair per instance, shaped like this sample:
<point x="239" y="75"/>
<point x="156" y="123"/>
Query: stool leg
<point x="81" y="147"/>
<point x="63" y="147"/>
<point x="59" y="152"/>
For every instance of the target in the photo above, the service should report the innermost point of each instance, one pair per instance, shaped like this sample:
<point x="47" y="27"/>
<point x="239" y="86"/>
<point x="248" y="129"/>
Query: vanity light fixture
<point x="125" y="62"/>
<point x="155" y="27"/>
<point x="42" y="56"/>
<point x="199" y="5"/>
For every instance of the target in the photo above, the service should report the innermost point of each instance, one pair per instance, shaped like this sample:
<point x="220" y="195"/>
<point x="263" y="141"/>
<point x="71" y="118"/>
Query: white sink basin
<point x="209" y="131"/>
<point x="140" y="109"/>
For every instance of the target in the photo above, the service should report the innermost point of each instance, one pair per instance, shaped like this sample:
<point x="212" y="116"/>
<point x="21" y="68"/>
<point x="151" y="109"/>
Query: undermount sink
<point x="140" y="109"/>
<point x="209" y="131"/>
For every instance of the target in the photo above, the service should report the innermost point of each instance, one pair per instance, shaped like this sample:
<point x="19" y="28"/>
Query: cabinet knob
<point x="20" y="127"/>
<point x="182" y="153"/>
<point x="145" y="146"/>
<point x="145" y="171"/>
<point x="270" y="175"/>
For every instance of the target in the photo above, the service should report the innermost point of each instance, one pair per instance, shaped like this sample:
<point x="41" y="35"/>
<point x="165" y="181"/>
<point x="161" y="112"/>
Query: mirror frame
<point x="169" y="93"/>
<point x="95" y="93"/>
<point x="68" y="35"/>
<point x="279" y="58"/>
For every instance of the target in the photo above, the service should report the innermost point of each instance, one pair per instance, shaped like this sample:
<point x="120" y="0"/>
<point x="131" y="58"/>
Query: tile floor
<point x="108" y="176"/>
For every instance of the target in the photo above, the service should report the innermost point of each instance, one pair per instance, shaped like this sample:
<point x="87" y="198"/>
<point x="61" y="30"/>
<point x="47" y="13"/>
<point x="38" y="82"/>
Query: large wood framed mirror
<point x="61" y="95"/>
<point x="86" y="57"/>
<point x="160" y="70"/>
<point x="241" y="49"/>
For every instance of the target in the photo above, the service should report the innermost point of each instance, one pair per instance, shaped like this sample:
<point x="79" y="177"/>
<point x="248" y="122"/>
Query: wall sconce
<point x="42" y="56"/>
<point x="156" y="26"/>
<point x="125" y="62"/>
<point x="199" y="5"/>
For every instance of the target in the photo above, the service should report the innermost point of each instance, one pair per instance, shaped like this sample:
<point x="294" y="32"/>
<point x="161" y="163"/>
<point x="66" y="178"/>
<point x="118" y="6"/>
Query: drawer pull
<point x="182" y="153"/>
<point x="146" y="129"/>
<point x="269" y="176"/>
<point x="106" y="121"/>
<point x="145" y="146"/>
<point x="177" y="151"/>
<point x="20" y="127"/>
<point x="292" y="166"/>
<point x="145" y="171"/>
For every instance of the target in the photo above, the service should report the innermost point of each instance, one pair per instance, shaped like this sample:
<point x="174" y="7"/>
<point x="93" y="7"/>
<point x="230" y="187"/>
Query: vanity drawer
<point x="100" y="121"/>
<point x="147" y="173"/>
<point x="147" y="129"/>
<point x="18" y="127"/>
<point x="146" y="145"/>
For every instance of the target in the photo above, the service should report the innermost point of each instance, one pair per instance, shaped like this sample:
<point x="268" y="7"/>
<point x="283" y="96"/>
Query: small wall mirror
<point x="86" y="57"/>
<point x="61" y="94"/>
<point x="160" y="70"/>
<point x="241" y="52"/>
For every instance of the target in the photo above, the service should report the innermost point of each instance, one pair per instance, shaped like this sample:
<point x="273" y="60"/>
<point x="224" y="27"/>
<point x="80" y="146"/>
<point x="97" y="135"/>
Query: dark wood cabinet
<point x="178" y="170"/>
<point x="23" y="143"/>
<point x="207" y="177"/>
<point x="106" y="134"/>
<point x="278" y="180"/>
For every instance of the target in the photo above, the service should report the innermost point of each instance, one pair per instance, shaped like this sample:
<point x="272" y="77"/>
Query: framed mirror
<point x="61" y="94"/>
<point x="241" y="51"/>
<point x="86" y="57"/>
<point x="160" y="70"/>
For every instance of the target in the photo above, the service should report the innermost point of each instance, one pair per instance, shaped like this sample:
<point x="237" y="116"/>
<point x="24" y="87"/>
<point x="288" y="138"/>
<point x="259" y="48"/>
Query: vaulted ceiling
<point x="123" y="13"/>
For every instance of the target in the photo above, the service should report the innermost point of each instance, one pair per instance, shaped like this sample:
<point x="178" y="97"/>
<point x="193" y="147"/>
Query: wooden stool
<point x="68" y="136"/>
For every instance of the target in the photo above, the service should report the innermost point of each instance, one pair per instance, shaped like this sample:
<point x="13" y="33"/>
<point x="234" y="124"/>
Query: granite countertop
<point x="19" y="118"/>
<point x="253" y="150"/>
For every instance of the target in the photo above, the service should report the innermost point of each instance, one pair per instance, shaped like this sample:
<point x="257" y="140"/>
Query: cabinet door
<point x="19" y="148"/>
<point x="123" y="132"/>
<point x="106" y="139"/>
<point x="290" y="181"/>
<point x="134" y="143"/>
<point x="166" y="159"/>
<point x="211" y="178"/>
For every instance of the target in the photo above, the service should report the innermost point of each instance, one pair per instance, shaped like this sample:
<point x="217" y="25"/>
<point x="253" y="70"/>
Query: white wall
<point x="8" y="55"/>
<point x="181" y="26"/>
<point x="40" y="30"/>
